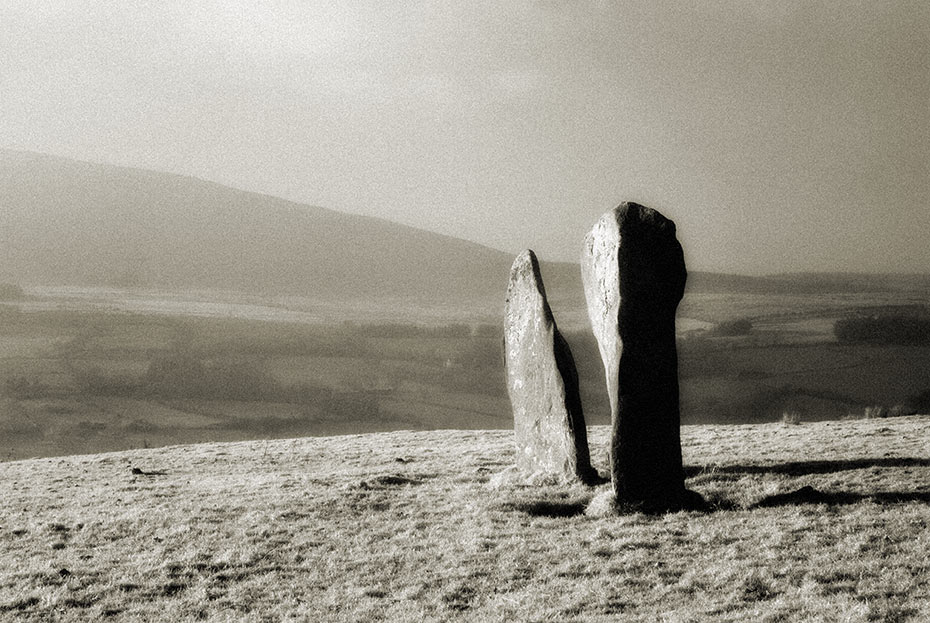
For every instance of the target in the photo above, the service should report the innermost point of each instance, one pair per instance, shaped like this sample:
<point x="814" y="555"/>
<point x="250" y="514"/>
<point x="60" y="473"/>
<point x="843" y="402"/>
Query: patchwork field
<point x="90" y="381"/>
<point x="85" y="371"/>
<point x="435" y="526"/>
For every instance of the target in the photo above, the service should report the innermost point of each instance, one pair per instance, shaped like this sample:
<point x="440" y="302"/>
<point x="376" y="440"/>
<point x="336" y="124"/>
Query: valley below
<point x="86" y="370"/>
<point x="142" y="309"/>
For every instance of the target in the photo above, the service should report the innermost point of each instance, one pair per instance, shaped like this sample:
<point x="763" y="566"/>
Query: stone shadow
<point x="802" y="496"/>
<point x="548" y="508"/>
<point x="810" y="495"/>
<point x="802" y="468"/>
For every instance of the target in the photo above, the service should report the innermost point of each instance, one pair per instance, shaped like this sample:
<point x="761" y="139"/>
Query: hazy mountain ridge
<point x="75" y="223"/>
<point x="67" y="222"/>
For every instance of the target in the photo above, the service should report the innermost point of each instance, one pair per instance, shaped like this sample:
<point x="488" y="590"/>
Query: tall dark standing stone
<point x="634" y="276"/>
<point x="542" y="382"/>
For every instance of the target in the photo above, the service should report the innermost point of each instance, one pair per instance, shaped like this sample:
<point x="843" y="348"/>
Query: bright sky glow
<point x="780" y="136"/>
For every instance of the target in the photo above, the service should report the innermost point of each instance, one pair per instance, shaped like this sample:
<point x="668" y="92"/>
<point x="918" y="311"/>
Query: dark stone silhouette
<point x="542" y="382"/>
<point x="634" y="277"/>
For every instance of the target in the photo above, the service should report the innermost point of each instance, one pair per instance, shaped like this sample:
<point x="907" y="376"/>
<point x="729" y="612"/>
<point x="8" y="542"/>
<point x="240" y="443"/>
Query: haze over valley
<point x="146" y="308"/>
<point x="73" y="223"/>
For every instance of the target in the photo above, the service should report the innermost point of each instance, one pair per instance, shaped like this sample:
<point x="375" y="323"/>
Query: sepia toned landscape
<point x="536" y="311"/>
<point x="173" y="451"/>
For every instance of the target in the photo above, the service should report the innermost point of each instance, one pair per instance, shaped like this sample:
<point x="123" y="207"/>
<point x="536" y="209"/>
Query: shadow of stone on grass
<point x="603" y="504"/>
<point x="810" y="495"/>
<point x="393" y="480"/>
<point x="802" y="468"/>
<point x="548" y="508"/>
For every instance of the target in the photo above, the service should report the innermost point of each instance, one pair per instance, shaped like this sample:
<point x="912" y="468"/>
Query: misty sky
<point x="780" y="136"/>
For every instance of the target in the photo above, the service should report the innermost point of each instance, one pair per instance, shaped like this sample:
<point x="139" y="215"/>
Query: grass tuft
<point x="757" y="588"/>
<point x="603" y="504"/>
<point x="460" y="598"/>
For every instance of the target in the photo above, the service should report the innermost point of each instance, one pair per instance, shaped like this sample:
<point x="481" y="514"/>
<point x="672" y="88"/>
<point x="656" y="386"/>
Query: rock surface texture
<point x="542" y="382"/>
<point x="634" y="276"/>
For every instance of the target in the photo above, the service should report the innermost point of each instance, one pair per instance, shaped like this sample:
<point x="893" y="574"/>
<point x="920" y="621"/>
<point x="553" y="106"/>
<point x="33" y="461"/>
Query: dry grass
<point x="432" y="526"/>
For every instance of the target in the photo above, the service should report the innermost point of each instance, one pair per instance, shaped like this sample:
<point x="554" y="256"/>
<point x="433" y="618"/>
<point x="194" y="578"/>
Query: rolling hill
<point x="67" y="222"/>
<point x="75" y="223"/>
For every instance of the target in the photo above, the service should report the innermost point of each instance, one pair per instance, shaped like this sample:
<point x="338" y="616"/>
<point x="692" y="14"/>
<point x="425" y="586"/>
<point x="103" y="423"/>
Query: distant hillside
<point x="75" y="223"/>
<point x="66" y="222"/>
<point x="851" y="282"/>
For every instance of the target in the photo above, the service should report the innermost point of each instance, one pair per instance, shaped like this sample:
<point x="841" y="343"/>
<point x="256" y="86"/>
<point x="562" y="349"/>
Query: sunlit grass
<point x="432" y="526"/>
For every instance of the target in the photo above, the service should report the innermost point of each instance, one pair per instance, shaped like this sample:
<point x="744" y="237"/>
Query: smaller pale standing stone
<point x="542" y="382"/>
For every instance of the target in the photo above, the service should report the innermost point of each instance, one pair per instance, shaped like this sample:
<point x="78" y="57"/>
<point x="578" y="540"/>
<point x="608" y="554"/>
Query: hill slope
<point x="433" y="526"/>
<point x="66" y="222"/>
<point x="75" y="223"/>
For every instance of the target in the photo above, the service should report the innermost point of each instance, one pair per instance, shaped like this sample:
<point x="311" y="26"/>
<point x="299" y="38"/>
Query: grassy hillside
<point x="67" y="222"/>
<point x="434" y="526"/>
<point x="77" y="223"/>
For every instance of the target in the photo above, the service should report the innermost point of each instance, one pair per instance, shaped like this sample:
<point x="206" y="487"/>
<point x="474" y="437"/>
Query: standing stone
<point x="634" y="274"/>
<point x="542" y="382"/>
